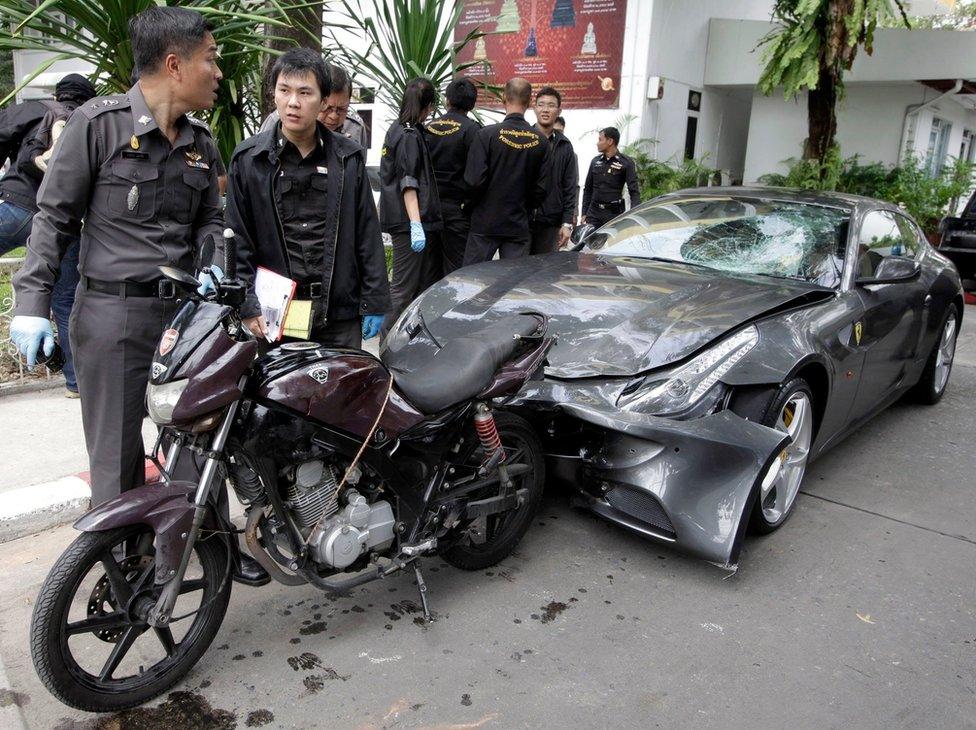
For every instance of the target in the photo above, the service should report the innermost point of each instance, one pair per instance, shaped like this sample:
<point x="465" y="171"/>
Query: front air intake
<point x="641" y="506"/>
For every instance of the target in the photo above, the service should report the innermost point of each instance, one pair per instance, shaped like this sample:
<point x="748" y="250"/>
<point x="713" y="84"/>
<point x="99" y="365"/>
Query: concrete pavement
<point x="860" y="612"/>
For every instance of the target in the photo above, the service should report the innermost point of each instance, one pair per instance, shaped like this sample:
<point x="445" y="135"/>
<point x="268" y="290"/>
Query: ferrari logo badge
<point x="167" y="341"/>
<point x="134" y="142"/>
<point x="858" y="328"/>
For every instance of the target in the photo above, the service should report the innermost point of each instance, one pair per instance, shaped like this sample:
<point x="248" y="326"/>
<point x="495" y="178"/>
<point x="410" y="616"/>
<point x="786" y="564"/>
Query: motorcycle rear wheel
<point x="483" y="543"/>
<point x="111" y="617"/>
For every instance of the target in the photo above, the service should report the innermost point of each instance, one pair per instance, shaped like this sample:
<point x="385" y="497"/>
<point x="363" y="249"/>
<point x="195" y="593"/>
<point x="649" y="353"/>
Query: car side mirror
<point x="893" y="269"/>
<point x="580" y="234"/>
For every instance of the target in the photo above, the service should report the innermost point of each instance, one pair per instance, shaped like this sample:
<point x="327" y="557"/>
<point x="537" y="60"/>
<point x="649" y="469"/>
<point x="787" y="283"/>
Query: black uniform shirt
<point x="559" y="207"/>
<point x="449" y="138"/>
<point x="300" y="194"/>
<point x="404" y="165"/>
<point x="508" y="173"/>
<point x="18" y="123"/>
<point x="606" y="178"/>
<point x="145" y="203"/>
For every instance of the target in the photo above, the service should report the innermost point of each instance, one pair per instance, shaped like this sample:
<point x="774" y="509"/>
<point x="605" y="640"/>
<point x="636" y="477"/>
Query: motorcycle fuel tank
<point x="342" y="389"/>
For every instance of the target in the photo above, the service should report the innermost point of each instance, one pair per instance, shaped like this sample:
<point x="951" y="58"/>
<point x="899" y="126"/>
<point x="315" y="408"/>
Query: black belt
<point x="311" y="290"/>
<point x="160" y="289"/>
<point x="611" y="204"/>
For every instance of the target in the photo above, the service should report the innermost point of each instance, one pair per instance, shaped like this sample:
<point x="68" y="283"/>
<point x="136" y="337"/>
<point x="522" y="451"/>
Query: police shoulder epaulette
<point x="199" y="124"/>
<point x="102" y="104"/>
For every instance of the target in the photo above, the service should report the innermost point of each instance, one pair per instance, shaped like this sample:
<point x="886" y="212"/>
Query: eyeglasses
<point x="340" y="110"/>
<point x="546" y="105"/>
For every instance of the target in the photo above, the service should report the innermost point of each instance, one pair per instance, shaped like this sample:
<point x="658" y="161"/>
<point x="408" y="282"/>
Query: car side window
<point x="911" y="244"/>
<point x="880" y="237"/>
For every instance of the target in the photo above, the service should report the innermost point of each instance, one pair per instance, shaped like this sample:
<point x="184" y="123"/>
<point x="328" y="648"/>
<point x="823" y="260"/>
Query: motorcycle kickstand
<point x="422" y="586"/>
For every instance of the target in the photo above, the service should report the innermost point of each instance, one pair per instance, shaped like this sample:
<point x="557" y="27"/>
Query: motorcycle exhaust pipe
<point x="261" y="555"/>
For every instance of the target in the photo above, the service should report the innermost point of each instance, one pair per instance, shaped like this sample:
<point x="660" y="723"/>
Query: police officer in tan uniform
<point x="143" y="178"/>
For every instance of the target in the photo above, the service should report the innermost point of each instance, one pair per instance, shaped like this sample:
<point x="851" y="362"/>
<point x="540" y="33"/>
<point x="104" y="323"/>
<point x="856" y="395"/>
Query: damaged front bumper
<point x="691" y="483"/>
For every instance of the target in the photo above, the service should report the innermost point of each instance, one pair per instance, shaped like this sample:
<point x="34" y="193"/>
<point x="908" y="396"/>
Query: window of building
<point x="967" y="151"/>
<point x="935" y="153"/>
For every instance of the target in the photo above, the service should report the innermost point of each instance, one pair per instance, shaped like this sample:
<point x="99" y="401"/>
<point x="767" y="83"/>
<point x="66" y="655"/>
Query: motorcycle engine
<point x="343" y="534"/>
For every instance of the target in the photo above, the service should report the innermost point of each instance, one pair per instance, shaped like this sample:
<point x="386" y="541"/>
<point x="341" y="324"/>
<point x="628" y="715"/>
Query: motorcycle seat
<point x="464" y="366"/>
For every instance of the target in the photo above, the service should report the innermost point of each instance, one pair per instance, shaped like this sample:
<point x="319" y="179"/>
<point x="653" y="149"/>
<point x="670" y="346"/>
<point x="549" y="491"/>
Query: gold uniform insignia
<point x="134" y="142"/>
<point x="858" y="328"/>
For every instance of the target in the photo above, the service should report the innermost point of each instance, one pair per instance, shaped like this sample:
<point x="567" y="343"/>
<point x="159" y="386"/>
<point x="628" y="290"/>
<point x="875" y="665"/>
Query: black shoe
<point x="249" y="572"/>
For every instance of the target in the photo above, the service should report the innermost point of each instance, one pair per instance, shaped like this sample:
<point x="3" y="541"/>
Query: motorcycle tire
<point x="519" y="439"/>
<point x="56" y="663"/>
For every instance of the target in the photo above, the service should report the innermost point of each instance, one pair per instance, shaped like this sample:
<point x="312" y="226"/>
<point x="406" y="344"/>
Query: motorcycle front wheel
<point x="90" y="644"/>
<point x="484" y="542"/>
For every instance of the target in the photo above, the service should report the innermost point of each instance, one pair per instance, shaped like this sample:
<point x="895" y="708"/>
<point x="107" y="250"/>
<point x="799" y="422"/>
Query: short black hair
<point x="611" y="133"/>
<point x="561" y="120"/>
<point x="161" y="30"/>
<point x="419" y="94"/>
<point x="549" y="91"/>
<point x="340" y="80"/>
<point x="298" y="61"/>
<point x="462" y="94"/>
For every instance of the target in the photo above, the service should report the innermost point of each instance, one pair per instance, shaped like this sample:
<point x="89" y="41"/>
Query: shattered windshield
<point x="745" y="235"/>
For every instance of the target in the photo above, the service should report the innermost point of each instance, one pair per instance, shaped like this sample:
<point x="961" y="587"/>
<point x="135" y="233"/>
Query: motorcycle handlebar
<point x="230" y="254"/>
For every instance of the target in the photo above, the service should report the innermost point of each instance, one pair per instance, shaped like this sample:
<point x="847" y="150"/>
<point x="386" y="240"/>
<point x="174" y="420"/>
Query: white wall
<point x="870" y="120"/>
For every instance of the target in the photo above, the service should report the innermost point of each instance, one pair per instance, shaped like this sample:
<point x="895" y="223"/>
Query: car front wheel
<point x="789" y="409"/>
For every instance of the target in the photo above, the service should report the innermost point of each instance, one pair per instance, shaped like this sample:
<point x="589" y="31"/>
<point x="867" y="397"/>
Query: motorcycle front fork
<point x="160" y="614"/>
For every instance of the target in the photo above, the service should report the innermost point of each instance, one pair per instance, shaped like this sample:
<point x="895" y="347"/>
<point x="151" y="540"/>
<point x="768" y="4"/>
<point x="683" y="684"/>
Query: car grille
<point x="642" y="506"/>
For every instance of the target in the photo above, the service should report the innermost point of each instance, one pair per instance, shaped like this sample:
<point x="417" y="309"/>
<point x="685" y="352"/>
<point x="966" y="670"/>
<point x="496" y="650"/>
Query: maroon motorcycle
<point x="349" y="471"/>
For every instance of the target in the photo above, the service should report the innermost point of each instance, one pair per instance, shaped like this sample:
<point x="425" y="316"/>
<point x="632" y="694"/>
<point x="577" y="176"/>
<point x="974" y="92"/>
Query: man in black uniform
<point x="508" y="174"/>
<point x="25" y="140"/>
<point x="552" y="222"/>
<point x="449" y="138"/>
<point x="143" y="178"/>
<point x="310" y="184"/>
<point x="609" y="172"/>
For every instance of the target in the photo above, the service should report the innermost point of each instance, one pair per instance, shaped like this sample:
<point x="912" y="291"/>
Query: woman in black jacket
<point x="409" y="206"/>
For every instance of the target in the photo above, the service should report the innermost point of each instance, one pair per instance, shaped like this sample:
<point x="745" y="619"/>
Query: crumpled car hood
<point x="612" y="316"/>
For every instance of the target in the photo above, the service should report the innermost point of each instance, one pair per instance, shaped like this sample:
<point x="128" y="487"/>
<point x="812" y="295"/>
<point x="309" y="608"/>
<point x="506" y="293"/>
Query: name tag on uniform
<point x="322" y="170"/>
<point x="130" y="155"/>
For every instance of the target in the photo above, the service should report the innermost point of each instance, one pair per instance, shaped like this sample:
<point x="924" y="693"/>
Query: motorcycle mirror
<point x="180" y="277"/>
<point x="580" y="234"/>
<point x="206" y="253"/>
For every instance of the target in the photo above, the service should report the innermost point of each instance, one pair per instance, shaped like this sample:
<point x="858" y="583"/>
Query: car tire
<point x="780" y="484"/>
<point x="935" y="377"/>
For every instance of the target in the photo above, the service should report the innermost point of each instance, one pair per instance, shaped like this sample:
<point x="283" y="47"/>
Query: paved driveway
<point x="860" y="612"/>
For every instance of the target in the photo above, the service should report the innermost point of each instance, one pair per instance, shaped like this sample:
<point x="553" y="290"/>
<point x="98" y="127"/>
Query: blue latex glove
<point x="417" y="237"/>
<point x="29" y="334"/>
<point x="371" y="325"/>
<point x="206" y="282"/>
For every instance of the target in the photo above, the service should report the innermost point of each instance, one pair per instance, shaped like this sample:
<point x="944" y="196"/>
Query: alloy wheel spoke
<point x="196" y="584"/>
<point x="121" y="589"/>
<point x="165" y="636"/>
<point x="119" y="651"/>
<point x="97" y="623"/>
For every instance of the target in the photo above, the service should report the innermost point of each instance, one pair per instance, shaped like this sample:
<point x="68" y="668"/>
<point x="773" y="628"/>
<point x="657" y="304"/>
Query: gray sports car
<point x="710" y="343"/>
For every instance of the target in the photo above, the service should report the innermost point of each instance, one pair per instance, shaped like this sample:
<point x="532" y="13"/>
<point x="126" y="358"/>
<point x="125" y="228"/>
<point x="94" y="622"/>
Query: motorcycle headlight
<point x="162" y="399"/>
<point x="681" y="390"/>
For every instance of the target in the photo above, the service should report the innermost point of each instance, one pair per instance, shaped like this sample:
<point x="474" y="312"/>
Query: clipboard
<point x="275" y="293"/>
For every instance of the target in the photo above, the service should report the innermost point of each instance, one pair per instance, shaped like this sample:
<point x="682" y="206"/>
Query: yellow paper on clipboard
<point x="298" y="320"/>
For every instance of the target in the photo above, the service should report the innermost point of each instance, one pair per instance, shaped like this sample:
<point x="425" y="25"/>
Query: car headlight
<point x="680" y="390"/>
<point x="162" y="399"/>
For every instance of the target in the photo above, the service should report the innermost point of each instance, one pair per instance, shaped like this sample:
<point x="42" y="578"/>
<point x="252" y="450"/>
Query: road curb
<point x="29" y="510"/>
<point x="39" y="507"/>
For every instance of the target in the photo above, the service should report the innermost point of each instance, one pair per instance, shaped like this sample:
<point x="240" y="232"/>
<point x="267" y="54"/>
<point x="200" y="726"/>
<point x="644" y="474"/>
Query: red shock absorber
<point x="484" y="424"/>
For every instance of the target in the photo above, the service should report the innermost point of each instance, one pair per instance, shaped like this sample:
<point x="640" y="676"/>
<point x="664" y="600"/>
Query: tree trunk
<point x="821" y="117"/>
<point x="305" y="32"/>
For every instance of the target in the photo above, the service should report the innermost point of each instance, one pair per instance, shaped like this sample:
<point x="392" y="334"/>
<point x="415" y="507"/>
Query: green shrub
<point x="925" y="197"/>
<point x="656" y="177"/>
